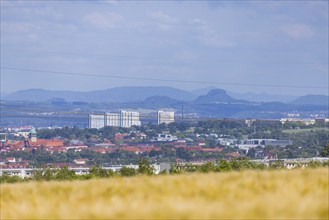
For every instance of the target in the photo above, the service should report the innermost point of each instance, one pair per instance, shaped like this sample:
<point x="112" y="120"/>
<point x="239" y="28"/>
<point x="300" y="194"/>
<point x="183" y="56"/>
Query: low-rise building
<point x="165" y="137"/>
<point x="305" y="121"/>
<point x="81" y="161"/>
<point x="11" y="159"/>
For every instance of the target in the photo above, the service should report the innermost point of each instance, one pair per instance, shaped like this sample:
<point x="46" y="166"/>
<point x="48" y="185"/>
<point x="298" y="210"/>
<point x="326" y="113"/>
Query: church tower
<point x="33" y="135"/>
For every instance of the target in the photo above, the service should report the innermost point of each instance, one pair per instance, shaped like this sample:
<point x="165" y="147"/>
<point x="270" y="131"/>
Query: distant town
<point x="169" y="127"/>
<point x="119" y="139"/>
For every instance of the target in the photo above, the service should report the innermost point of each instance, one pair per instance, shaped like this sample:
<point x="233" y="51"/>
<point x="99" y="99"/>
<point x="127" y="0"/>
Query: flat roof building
<point x="112" y="119"/>
<point x="96" y="121"/>
<point x="166" y="117"/>
<point x="128" y="119"/>
<point x="124" y="119"/>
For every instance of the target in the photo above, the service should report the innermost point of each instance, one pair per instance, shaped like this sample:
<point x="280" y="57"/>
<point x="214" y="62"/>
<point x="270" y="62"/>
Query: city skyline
<point x="272" y="47"/>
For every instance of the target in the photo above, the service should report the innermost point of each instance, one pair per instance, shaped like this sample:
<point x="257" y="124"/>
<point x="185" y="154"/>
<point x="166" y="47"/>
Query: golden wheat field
<point x="285" y="194"/>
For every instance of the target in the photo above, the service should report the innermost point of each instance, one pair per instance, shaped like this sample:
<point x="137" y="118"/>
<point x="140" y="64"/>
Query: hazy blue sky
<point x="243" y="42"/>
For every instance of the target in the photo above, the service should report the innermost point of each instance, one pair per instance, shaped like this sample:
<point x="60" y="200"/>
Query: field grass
<point x="282" y="194"/>
<point x="296" y="131"/>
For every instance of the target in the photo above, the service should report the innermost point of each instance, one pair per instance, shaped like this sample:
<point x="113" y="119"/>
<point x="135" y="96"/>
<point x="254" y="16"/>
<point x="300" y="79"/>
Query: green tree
<point x="127" y="171"/>
<point x="189" y="167"/>
<point x="175" y="169"/>
<point x="325" y="151"/>
<point x="277" y="164"/>
<point x="314" y="164"/>
<point x="5" y="178"/>
<point x="65" y="174"/>
<point x="97" y="171"/>
<point x="44" y="174"/>
<point x="144" y="167"/>
<point x="223" y="165"/>
<point x="207" y="167"/>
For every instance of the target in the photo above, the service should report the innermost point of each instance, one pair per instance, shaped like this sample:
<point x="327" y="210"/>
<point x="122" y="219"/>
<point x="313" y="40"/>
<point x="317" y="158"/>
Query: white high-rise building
<point x="124" y="119"/>
<point x="96" y="121"/>
<point x="166" y="117"/>
<point x="112" y="119"/>
<point x="129" y="119"/>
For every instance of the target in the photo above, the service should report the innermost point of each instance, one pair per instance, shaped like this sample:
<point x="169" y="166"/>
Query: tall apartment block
<point x="166" y="117"/>
<point x="96" y="121"/>
<point x="124" y="119"/>
<point x="112" y="119"/>
<point x="129" y="119"/>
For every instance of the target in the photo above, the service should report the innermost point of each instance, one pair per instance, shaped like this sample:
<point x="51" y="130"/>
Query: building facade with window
<point x="123" y="119"/>
<point x="96" y="121"/>
<point x="166" y="117"/>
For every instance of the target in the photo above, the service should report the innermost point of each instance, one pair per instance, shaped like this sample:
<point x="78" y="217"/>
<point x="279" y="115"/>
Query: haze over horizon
<point x="272" y="47"/>
<point x="199" y="91"/>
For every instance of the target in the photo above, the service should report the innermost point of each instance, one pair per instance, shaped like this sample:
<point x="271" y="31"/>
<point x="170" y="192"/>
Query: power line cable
<point x="156" y="79"/>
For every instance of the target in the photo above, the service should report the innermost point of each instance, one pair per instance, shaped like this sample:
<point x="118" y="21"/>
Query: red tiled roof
<point x="212" y="149"/>
<point x="131" y="149"/>
<point x="233" y="154"/>
<point x="46" y="142"/>
<point x="10" y="158"/>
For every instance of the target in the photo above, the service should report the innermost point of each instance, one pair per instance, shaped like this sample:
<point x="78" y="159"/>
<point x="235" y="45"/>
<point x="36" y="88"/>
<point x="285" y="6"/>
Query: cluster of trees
<point x="325" y="151"/>
<point x="232" y="128"/>
<point x="40" y="157"/>
<point x="145" y="168"/>
<point x="220" y="166"/>
<point x="304" y="144"/>
<point x="167" y="152"/>
<point x="85" y="135"/>
<point x="236" y="165"/>
<point x="61" y="174"/>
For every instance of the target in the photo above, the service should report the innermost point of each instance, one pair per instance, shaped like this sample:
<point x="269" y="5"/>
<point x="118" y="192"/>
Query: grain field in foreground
<point x="250" y="194"/>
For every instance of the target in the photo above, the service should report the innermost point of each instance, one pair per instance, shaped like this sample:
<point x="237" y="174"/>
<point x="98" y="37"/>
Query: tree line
<point x="145" y="168"/>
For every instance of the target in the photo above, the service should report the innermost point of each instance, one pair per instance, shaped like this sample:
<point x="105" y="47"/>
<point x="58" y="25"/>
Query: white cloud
<point x="208" y="35"/>
<point x="159" y="16"/>
<point x="19" y="27"/>
<point x="297" y="31"/>
<point x="158" y="20"/>
<point x="103" y="20"/>
<point x="198" y="22"/>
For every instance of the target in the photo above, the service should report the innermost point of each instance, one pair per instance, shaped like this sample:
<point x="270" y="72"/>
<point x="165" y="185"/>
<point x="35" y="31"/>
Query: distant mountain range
<point x="215" y="96"/>
<point x="160" y="95"/>
<point x="250" y="96"/>
<point x="216" y="103"/>
<point x="114" y="95"/>
<point x="262" y="97"/>
<point x="311" y="100"/>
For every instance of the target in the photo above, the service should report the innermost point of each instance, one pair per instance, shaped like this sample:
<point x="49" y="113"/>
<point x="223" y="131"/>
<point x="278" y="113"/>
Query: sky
<point x="277" y="47"/>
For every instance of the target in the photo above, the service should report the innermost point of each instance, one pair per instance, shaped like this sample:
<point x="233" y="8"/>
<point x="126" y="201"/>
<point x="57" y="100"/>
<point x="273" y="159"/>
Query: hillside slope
<point x="288" y="194"/>
<point x="312" y="100"/>
<point x="215" y="96"/>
